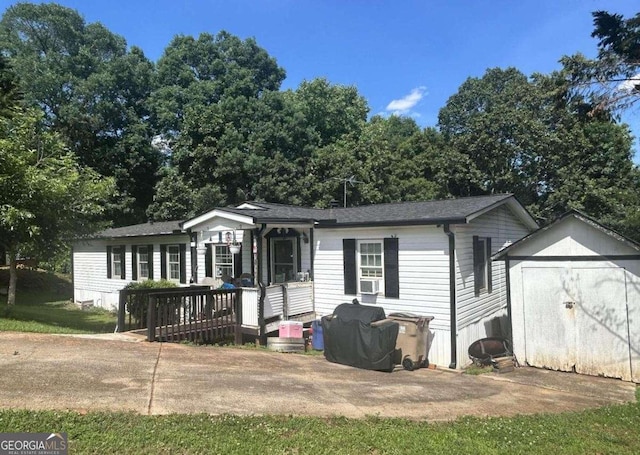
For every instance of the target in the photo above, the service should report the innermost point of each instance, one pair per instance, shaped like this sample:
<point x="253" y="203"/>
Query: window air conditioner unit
<point x="369" y="286"/>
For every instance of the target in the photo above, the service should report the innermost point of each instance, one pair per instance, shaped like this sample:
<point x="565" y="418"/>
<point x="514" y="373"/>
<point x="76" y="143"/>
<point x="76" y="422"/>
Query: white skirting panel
<point x="439" y="348"/>
<point x="107" y="300"/>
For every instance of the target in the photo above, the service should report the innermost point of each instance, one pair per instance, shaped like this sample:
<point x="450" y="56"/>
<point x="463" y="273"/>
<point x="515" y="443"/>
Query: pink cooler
<point x="290" y="329"/>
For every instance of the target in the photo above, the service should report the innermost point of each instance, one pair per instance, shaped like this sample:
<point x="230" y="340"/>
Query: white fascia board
<point x="231" y="217"/>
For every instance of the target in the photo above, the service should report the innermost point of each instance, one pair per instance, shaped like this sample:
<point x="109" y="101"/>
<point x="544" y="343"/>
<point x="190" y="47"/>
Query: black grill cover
<point x="353" y="337"/>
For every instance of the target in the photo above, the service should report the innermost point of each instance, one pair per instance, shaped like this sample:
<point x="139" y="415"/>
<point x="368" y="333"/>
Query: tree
<point x="10" y="95"/>
<point x="45" y="196"/>
<point x="612" y="80"/>
<point x="536" y="138"/>
<point x="93" y="92"/>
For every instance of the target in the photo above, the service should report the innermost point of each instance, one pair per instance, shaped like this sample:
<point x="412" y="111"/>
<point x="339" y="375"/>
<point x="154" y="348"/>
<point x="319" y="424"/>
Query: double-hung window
<point x="371" y="267"/>
<point x="143" y="262"/>
<point x="116" y="262"/>
<point x="173" y="262"/>
<point x="370" y="254"/>
<point x="482" y="265"/>
<point x="223" y="261"/>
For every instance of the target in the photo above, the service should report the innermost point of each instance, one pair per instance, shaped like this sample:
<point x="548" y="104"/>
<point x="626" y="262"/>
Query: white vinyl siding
<point x="478" y="316"/>
<point x="90" y="280"/>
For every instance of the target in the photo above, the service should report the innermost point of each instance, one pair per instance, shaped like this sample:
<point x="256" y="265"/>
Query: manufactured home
<point x="429" y="258"/>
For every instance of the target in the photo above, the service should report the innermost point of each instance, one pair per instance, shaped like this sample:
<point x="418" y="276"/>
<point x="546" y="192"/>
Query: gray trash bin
<point x="413" y="337"/>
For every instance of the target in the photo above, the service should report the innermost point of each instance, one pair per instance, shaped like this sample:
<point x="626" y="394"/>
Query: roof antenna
<point x="352" y="180"/>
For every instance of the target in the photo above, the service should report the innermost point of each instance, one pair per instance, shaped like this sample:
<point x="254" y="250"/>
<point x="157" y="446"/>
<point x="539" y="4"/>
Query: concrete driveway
<point x="121" y="373"/>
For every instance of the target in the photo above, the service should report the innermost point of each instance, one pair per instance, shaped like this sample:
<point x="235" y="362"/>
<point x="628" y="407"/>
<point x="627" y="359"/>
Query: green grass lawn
<point x="610" y="430"/>
<point x="45" y="313"/>
<point x="43" y="304"/>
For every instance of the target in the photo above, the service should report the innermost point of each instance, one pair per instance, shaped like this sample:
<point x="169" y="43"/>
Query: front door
<point x="284" y="259"/>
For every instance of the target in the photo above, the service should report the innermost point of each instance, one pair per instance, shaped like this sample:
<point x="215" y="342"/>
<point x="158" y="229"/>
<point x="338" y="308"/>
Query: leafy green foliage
<point x="93" y="93"/>
<point x="535" y="138"/>
<point x="151" y="284"/>
<point x="45" y="197"/>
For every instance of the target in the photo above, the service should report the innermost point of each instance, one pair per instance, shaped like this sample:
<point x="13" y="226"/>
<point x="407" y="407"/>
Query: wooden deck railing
<point x="132" y="307"/>
<point x="204" y="316"/>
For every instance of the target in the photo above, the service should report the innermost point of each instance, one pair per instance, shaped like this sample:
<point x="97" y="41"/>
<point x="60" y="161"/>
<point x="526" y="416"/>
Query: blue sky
<point x="404" y="56"/>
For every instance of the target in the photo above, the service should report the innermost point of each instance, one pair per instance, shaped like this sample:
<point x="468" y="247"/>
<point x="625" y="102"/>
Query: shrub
<point x="137" y="303"/>
<point x="151" y="284"/>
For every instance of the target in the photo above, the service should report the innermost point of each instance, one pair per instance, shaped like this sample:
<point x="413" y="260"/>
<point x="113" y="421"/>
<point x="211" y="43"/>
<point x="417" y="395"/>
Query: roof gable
<point x="573" y="234"/>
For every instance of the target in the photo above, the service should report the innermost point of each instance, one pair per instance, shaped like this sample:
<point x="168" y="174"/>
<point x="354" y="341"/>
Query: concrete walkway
<point x="121" y="373"/>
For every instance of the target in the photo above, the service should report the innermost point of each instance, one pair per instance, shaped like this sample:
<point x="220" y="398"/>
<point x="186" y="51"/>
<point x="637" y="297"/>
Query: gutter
<point x="452" y="296"/>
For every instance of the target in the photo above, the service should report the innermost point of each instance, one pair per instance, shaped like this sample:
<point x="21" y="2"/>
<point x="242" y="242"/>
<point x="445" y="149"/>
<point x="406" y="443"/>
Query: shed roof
<point x="502" y="255"/>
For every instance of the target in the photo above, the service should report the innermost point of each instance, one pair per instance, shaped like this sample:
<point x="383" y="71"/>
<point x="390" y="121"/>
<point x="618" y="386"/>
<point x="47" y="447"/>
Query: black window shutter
<point x="391" y="275"/>
<point x="163" y="262"/>
<point x="150" y="255"/>
<point x="298" y="253"/>
<point x="477" y="266"/>
<point x="237" y="264"/>
<point x="488" y="256"/>
<point x="123" y="270"/>
<point x="208" y="261"/>
<point x="183" y="263"/>
<point x="109" y="257"/>
<point x="134" y="262"/>
<point x="350" y="268"/>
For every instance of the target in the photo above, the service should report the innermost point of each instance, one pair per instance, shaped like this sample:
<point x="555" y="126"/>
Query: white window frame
<point x="170" y="277"/>
<point x="140" y="254"/>
<point x="359" y="257"/>
<point x="482" y="248"/>
<point x="116" y="271"/>
<point x="220" y="266"/>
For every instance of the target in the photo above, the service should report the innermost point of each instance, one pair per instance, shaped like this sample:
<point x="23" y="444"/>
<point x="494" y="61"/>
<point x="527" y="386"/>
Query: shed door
<point x="576" y="319"/>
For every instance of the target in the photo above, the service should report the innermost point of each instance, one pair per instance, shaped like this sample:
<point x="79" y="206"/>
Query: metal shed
<point x="574" y="298"/>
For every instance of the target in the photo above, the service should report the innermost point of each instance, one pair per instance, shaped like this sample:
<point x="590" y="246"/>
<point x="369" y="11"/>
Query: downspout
<point x="193" y="253"/>
<point x="452" y="297"/>
<point x="507" y="266"/>
<point x="258" y="279"/>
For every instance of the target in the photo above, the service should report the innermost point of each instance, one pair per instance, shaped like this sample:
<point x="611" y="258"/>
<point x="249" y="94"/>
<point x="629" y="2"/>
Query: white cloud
<point x="630" y="84"/>
<point x="408" y="102"/>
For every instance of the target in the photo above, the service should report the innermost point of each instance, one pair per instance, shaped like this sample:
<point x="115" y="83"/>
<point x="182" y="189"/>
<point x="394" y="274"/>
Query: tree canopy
<point x="209" y="125"/>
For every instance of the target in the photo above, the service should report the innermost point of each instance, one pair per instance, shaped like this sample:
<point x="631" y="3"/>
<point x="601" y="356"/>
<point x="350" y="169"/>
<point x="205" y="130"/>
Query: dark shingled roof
<point x="269" y="212"/>
<point x="427" y="212"/>
<point x="400" y="213"/>
<point x="139" y="230"/>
